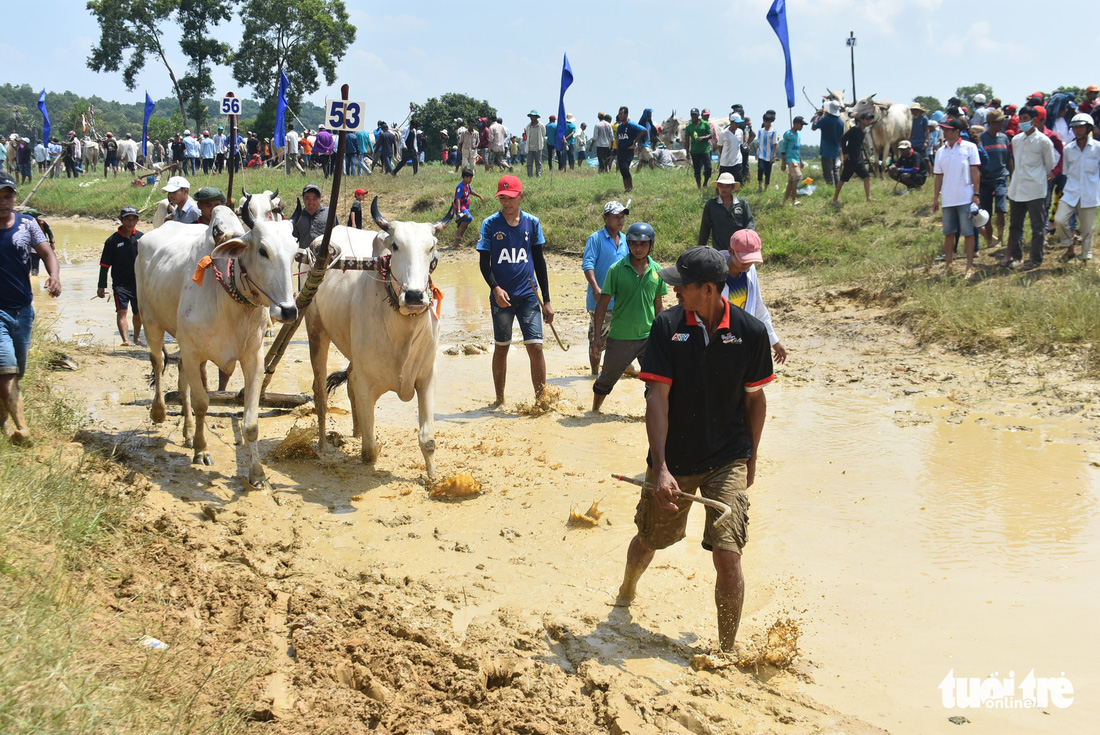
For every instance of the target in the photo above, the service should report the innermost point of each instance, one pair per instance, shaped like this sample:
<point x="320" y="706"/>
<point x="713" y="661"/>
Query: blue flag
<point x="566" y="80"/>
<point x="45" y="117"/>
<point x="777" y="18"/>
<point x="149" y="107"/>
<point x="280" y="112"/>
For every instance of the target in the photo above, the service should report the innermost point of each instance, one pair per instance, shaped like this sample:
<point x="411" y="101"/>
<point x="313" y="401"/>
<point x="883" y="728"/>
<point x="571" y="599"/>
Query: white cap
<point x="186" y="132"/>
<point x="175" y="184"/>
<point x="979" y="99"/>
<point x="832" y="107"/>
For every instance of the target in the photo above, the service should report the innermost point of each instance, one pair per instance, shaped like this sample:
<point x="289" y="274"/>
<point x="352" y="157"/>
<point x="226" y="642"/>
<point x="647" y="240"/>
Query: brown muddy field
<point x="916" y="511"/>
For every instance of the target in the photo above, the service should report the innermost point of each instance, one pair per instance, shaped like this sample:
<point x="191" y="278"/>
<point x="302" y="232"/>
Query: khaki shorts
<point x="659" y="528"/>
<point x="592" y="326"/>
<point x="794" y="171"/>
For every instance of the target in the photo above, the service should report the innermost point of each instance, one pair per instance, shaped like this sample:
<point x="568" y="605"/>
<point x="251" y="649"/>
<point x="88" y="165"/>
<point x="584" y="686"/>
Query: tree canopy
<point x="304" y="38"/>
<point x="197" y="19"/>
<point x="967" y="93"/>
<point x="439" y="113"/>
<point x="928" y="102"/>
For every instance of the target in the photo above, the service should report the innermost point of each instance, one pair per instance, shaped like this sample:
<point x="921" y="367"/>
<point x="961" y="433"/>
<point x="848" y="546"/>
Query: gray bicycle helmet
<point x="640" y="231"/>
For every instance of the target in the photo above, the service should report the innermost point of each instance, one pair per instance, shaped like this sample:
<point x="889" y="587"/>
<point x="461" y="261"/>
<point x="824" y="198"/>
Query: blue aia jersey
<point x="511" y="251"/>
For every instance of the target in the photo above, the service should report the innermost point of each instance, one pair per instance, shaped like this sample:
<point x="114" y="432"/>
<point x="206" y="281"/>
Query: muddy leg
<point x="425" y="397"/>
<point x="190" y="376"/>
<point x="318" y="360"/>
<point x="184" y="388"/>
<point x="252" y="368"/>
<point x="154" y="335"/>
<point x="538" y="369"/>
<point x="729" y="595"/>
<point x="500" y="372"/>
<point x="638" y="557"/>
<point x="363" y="400"/>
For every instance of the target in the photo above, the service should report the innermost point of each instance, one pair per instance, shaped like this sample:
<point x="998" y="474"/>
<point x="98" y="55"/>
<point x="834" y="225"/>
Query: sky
<point x="640" y="54"/>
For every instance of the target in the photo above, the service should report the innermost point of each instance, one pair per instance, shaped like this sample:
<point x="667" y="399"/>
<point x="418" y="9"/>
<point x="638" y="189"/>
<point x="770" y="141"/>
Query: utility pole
<point x="852" y="47"/>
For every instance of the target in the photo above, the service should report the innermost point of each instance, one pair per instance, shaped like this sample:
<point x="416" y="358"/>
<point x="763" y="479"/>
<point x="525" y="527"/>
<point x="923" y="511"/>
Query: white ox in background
<point x="893" y="124"/>
<point x="89" y="154"/>
<point x="207" y="321"/>
<point x="384" y="322"/>
<point x="255" y="208"/>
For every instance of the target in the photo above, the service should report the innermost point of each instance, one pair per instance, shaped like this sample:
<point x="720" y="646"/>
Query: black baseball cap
<point x="311" y="187"/>
<point x="128" y="212"/>
<point x="954" y="123"/>
<point x="700" y="264"/>
<point x="798" y="119"/>
<point x="7" y="181"/>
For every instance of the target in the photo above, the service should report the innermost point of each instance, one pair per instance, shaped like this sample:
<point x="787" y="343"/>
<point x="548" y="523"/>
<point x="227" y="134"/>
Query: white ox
<point x="258" y="207"/>
<point x="221" y="323"/>
<point x="383" y="321"/>
<point x="89" y="154"/>
<point x="893" y="124"/>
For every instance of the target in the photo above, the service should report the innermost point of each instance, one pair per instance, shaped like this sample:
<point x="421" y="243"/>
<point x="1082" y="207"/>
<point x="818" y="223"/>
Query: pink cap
<point x="746" y="244"/>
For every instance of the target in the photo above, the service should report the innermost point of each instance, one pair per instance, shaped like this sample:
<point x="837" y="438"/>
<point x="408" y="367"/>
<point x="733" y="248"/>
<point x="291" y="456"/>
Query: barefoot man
<point x="705" y="367"/>
<point x="19" y="235"/>
<point x="511" y="258"/>
<point x="119" y="255"/>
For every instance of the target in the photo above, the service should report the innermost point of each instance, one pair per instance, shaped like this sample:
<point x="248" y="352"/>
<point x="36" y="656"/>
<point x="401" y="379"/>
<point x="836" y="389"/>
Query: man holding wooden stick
<point x="705" y="366"/>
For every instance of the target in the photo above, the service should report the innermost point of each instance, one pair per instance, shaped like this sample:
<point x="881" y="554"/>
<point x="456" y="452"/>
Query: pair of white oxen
<point x="214" y="287"/>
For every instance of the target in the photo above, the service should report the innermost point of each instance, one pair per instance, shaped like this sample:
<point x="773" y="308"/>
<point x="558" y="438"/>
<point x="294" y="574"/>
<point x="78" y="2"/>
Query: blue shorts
<point x="123" y="298"/>
<point x="994" y="196"/>
<point x="464" y="215"/>
<point x="957" y="220"/>
<point x="15" y="340"/>
<point x="524" y="308"/>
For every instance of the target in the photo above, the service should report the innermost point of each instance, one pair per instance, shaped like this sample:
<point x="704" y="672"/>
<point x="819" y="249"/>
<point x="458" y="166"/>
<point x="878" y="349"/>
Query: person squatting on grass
<point x="19" y="234"/>
<point x="632" y="283"/>
<point x="511" y="259"/>
<point x="706" y="364"/>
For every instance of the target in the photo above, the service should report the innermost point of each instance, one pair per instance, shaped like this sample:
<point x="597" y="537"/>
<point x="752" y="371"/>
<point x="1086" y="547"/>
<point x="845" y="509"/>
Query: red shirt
<point x="1057" y="147"/>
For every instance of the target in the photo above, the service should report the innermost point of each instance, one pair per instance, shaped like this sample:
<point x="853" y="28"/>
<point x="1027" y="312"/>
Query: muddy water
<point x="910" y="536"/>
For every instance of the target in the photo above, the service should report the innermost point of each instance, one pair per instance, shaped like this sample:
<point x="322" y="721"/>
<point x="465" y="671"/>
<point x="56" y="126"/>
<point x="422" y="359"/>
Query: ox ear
<point x="442" y="224"/>
<point x="231" y="245"/>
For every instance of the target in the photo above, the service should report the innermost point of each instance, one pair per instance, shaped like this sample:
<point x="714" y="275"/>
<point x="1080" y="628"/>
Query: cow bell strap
<point x="435" y="298"/>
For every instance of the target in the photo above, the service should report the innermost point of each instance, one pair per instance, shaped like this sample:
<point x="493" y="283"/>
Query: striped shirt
<point x="765" y="142"/>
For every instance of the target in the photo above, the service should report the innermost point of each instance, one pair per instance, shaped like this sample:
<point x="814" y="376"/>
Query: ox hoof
<point x="158" y="414"/>
<point x="188" y="442"/>
<point x="262" y="486"/>
<point x="203" y="458"/>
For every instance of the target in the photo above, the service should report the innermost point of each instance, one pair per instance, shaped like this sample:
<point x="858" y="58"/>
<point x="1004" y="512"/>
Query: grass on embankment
<point x="883" y="246"/>
<point x="69" y="662"/>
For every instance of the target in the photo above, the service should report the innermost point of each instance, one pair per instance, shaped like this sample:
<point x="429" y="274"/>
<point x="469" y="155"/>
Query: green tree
<point x="134" y="26"/>
<point x="197" y="19"/>
<point x="439" y="113"/>
<point x="928" y="102"/>
<point x="304" y="38"/>
<point x="1077" y="92"/>
<point x="966" y="94"/>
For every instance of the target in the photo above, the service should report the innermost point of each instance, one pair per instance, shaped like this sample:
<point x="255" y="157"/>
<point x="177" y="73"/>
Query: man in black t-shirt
<point x="851" y="149"/>
<point x="119" y="255"/>
<point x="705" y="366"/>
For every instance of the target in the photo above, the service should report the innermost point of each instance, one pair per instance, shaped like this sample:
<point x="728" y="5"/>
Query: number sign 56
<point x="343" y="115"/>
<point x="231" y="106"/>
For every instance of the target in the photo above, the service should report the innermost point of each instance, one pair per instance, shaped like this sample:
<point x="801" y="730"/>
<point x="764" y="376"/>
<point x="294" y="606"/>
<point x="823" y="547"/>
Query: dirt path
<point x="891" y="489"/>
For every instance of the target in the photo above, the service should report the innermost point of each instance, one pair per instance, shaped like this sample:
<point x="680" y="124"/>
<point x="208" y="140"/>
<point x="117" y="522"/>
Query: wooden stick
<point x="542" y="306"/>
<point x="719" y="506"/>
<point x="42" y="179"/>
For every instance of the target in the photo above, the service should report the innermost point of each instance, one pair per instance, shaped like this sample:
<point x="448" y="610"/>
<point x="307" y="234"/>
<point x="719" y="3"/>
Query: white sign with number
<point x="344" y="115"/>
<point x="231" y="106"/>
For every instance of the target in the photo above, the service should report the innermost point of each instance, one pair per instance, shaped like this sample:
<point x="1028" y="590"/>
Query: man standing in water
<point x="511" y="258"/>
<point x="706" y="364"/>
<point x="119" y="255"/>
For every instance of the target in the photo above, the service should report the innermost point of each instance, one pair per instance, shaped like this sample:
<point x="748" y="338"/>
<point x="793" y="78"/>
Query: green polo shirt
<point x="699" y="135"/>
<point x="634" y="297"/>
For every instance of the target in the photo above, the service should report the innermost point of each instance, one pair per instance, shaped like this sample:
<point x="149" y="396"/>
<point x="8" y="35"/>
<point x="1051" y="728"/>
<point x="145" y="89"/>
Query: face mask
<point x="1024" y="127"/>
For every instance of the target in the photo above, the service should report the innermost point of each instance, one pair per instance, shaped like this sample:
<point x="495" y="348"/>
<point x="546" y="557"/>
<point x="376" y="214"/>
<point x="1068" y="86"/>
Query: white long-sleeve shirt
<point x="754" y="303"/>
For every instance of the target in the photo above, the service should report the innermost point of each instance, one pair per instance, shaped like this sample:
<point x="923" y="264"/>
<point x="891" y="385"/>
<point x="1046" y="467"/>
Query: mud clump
<point x="588" y="519"/>
<point x="777" y="647"/>
<point x="549" y="400"/>
<point x="462" y="485"/>
<point x="296" y="445"/>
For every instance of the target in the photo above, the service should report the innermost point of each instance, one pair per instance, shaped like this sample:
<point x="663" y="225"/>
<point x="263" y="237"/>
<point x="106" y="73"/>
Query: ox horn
<point x="442" y="224"/>
<point x="382" y="222"/>
<point x="244" y="211"/>
<point x="244" y="192"/>
<point x="297" y="212"/>
<point x="276" y="194"/>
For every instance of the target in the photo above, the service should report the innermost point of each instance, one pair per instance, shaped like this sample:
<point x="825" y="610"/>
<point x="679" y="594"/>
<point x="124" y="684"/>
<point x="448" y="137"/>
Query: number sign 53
<point x="343" y="115"/>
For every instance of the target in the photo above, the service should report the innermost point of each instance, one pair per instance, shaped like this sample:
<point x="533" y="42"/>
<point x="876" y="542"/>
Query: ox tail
<point x="336" y="379"/>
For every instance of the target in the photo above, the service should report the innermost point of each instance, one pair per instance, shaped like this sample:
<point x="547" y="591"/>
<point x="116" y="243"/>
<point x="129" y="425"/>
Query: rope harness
<point x="382" y="265"/>
<point x="228" y="281"/>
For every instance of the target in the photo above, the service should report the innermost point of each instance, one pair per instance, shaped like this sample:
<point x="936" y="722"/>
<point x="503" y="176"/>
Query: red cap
<point x="553" y="118"/>
<point x="1040" y="95"/>
<point x="1041" y="112"/>
<point x="361" y="191"/>
<point x="509" y="186"/>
